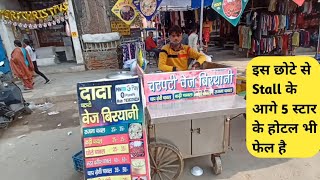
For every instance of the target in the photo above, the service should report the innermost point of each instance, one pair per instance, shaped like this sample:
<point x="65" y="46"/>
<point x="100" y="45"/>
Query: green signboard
<point x="231" y="10"/>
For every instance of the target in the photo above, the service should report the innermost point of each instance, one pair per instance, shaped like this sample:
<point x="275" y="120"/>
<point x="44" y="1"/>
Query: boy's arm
<point x="201" y="58"/>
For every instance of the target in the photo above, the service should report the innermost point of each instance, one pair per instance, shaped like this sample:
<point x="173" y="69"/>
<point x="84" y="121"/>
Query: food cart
<point x="192" y="126"/>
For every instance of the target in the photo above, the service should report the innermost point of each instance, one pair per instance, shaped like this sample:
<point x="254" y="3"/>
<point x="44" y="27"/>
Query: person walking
<point x="27" y="44"/>
<point x="21" y="65"/>
<point x="193" y="39"/>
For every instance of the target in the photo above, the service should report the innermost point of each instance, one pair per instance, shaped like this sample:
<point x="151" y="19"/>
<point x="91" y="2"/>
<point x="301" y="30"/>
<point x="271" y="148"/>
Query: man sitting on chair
<point x="151" y="46"/>
<point x="175" y="56"/>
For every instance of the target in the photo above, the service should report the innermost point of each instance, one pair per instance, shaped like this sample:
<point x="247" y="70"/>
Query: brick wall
<point x="93" y="16"/>
<point x="101" y="60"/>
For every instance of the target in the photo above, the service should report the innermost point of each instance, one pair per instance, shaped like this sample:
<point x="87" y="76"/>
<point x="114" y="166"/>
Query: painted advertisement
<point x="164" y="87"/>
<point x="148" y="8"/>
<point x="231" y="10"/>
<point x="120" y="27"/>
<point x="113" y="130"/>
<point x="125" y="10"/>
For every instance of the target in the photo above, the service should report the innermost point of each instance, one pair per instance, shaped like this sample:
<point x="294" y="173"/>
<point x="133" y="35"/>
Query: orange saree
<point x="21" y="69"/>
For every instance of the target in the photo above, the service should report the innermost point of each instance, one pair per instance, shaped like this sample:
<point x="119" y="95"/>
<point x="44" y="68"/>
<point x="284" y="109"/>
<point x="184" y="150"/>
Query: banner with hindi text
<point x="197" y="84"/>
<point x="113" y="130"/>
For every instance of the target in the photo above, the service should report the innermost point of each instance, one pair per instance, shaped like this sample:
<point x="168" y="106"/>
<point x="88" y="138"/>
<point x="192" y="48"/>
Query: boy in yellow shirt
<point x="175" y="56"/>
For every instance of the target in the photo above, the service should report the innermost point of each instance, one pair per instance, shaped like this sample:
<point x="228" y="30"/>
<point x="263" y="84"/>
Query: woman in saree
<point x="22" y="65"/>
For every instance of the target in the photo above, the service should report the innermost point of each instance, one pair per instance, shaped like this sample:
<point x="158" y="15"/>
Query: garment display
<point x="283" y="21"/>
<point x="272" y="5"/>
<point x="245" y="37"/>
<point x="295" y="39"/>
<point x="271" y="23"/>
<point x="196" y="15"/>
<point x="176" y="18"/>
<point x="280" y="29"/>
<point x="129" y="50"/>
<point x="304" y="38"/>
<point x="183" y="24"/>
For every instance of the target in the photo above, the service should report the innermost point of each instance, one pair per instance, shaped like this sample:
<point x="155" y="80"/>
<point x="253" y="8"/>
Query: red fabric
<point x="300" y="20"/>
<point x="285" y="44"/>
<point x="206" y="34"/>
<point x="183" y="55"/>
<point x="20" y="69"/>
<point x="150" y="44"/>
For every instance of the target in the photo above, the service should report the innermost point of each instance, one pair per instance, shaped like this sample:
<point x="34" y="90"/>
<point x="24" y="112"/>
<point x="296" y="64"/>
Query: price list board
<point x="113" y="130"/>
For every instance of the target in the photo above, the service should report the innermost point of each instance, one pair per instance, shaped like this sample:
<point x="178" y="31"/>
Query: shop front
<point x="50" y="26"/>
<point x="257" y="28"/>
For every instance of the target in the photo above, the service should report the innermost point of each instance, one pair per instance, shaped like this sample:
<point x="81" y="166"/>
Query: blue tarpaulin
<point x="195" y="4"/>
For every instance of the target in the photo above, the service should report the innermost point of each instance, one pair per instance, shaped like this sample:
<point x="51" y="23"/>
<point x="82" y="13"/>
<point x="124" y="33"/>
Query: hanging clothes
<point x="296" y="39"/>
<point x="285" y="44"/>
<point x="245" y="37"/>
<point x="300" y="20"/>
<point x="128" y="51"/>
<point x="306" y="7"/>
<point x="176" y="18"/>
<point x="196" y="14"/>
<point x="283" y="20"/>
<point x="182" y="21"/>
<point x="272" y="5"/>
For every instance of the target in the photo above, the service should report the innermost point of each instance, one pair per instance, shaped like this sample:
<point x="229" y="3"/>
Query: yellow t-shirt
<point x="170" y="59"/>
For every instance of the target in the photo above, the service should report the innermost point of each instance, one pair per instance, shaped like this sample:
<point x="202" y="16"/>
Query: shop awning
<point x="182" y="5"/>
<point x="195" y="4"/>
<point x="175" y="5"/>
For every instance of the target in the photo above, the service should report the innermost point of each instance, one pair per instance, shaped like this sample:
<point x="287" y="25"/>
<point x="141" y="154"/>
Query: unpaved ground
<point x="45" y="153"/>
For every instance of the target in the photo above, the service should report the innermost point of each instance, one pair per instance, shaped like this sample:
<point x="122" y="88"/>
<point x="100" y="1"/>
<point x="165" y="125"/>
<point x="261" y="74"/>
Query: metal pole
<point x="201" y="24"/>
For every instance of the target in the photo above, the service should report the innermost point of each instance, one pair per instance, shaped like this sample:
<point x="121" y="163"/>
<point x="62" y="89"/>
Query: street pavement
<point x="40" y="146"/>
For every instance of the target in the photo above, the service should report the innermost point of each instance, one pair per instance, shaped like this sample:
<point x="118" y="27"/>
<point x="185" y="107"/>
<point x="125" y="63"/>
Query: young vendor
<point x="175" y="56"/>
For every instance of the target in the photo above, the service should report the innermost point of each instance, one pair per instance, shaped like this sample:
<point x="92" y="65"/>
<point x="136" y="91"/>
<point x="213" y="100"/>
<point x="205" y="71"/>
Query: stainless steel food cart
<point x="187" y="129"/>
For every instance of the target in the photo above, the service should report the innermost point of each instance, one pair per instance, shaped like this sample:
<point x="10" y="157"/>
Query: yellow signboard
<point x="120" y="27"/>
<point x="125" y="10"/>
<point x="282" y="107"/>
<point x="28" y="16"/>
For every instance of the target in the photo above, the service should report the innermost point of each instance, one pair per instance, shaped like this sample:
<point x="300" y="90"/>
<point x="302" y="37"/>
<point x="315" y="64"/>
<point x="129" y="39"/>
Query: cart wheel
<point x="217" y="164"/>
<point x="166" y="161"/>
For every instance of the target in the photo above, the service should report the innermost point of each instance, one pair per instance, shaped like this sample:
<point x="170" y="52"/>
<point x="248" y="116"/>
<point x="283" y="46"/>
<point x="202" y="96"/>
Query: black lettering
<point x="284" y="109"/>
<point x="261" y="89"/>
<point x="256" y="88"/>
